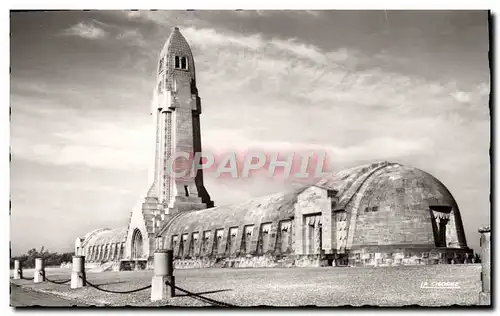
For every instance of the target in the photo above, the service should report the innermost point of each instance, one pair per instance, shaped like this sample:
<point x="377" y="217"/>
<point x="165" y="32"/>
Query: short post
<point x="485" y="295"/>
<point x="163" y="273"/>
<point x="39" y="275"/>
<point x="18" y="270"/>
<point x="78" y="277"/>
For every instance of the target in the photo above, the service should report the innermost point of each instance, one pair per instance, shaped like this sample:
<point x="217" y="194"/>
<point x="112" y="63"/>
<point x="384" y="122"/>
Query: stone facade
<point x="102" y="247"/>
<point x="381" y="214"/>
<point x="377" y="214"/>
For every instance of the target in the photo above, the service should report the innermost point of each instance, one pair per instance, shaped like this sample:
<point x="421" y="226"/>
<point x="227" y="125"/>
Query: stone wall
<point x="398" y="207"/>
<point x="313" y="201"/>
<point x="249" y="261"/>
<point x="356" y="258"/>
<point x="403" y="255"/>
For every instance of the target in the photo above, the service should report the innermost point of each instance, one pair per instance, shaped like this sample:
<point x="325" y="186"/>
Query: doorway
<point x="137" y="244"/>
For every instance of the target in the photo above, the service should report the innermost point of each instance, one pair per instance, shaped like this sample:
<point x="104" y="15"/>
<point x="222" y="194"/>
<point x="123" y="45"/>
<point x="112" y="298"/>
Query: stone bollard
<point x="39" y="275"/>
<point x="163" y="273"/>
<point x="18" y="270"/>
<point x="485" y="295"/>
<point x="78" y="277"/>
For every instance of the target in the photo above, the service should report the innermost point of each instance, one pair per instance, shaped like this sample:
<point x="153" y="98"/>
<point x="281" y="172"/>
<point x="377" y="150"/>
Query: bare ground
<point x="329" y="286"/>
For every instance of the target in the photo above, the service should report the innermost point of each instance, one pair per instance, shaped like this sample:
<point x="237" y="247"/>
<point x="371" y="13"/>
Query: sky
<point x="363" y="86"/>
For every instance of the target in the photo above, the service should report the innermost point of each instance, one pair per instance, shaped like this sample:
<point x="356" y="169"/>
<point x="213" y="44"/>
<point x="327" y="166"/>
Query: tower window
<point x="160" y="67"/>
<point x="181" y="63"/>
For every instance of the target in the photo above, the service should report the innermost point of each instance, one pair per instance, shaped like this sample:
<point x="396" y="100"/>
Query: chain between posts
<point x="203" y="298"/>
<point x="55" y="282"/>
<point x="116" y="292"/>
<point x="52" y="281"/>
<point x="209" y="300"/>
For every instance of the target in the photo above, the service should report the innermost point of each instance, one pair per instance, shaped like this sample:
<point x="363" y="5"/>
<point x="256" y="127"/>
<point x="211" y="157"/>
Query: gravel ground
<point x="329" y="286"/>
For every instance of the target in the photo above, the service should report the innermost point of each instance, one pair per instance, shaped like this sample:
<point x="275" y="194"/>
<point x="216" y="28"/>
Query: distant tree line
<point x="51" y="258"/>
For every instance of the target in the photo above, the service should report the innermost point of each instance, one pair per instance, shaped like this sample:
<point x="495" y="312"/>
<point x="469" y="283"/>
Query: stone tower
<point x="176" y="112"/>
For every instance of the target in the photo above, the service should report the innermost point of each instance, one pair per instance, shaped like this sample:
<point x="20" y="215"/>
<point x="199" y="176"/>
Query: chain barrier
<point x="209" y="300"/>
<point x="52" y="281"/>
<point x="203" y="298"/>
<point x="56" y="282"/>
<point x="116" y="292"/>
<point x="189" y="293"/>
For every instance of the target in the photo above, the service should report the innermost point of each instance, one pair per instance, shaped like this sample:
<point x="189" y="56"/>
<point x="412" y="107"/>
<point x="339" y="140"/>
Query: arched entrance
<point x="136" y="244"/>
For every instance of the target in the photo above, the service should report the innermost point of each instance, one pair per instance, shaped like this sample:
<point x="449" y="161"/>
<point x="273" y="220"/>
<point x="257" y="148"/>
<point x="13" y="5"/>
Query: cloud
<point x="133" y="14"/>
<point x="313" y="13"/>
<point x="251" y="13"/>
<point x="301" y="49"/>
<point x="132" y="37"/>
<point x="95" y="29"/>
<point x="86" y="30"/>
<point x="483" y="89"/>
<point x="461" y="96"/>
<point x="96" y="144"/>
<point x="268" y="13"/>
<point x="276" y="79"/>
<point x="161" y="18"/>
<point x="307" y="72"/>
<point x="342" y="75"/>
<point x="209" y="38"/>
<point x="206" y="38"/>
<point x="374" y="148"/>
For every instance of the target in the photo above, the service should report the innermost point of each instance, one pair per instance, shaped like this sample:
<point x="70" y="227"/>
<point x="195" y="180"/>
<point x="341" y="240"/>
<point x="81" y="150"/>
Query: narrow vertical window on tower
<point x="177" y="62"/>
<point x="174" y="85"/>
<point x="184" y="63"/>
<point x="160" y="67"/>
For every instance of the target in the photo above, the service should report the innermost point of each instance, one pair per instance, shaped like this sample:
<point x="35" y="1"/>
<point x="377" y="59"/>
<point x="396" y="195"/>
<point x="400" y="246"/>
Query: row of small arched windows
<point x="104" y="252"/>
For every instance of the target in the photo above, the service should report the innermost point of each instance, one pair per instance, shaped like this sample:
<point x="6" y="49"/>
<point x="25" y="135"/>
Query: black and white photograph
<point x="250" y="158"/>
